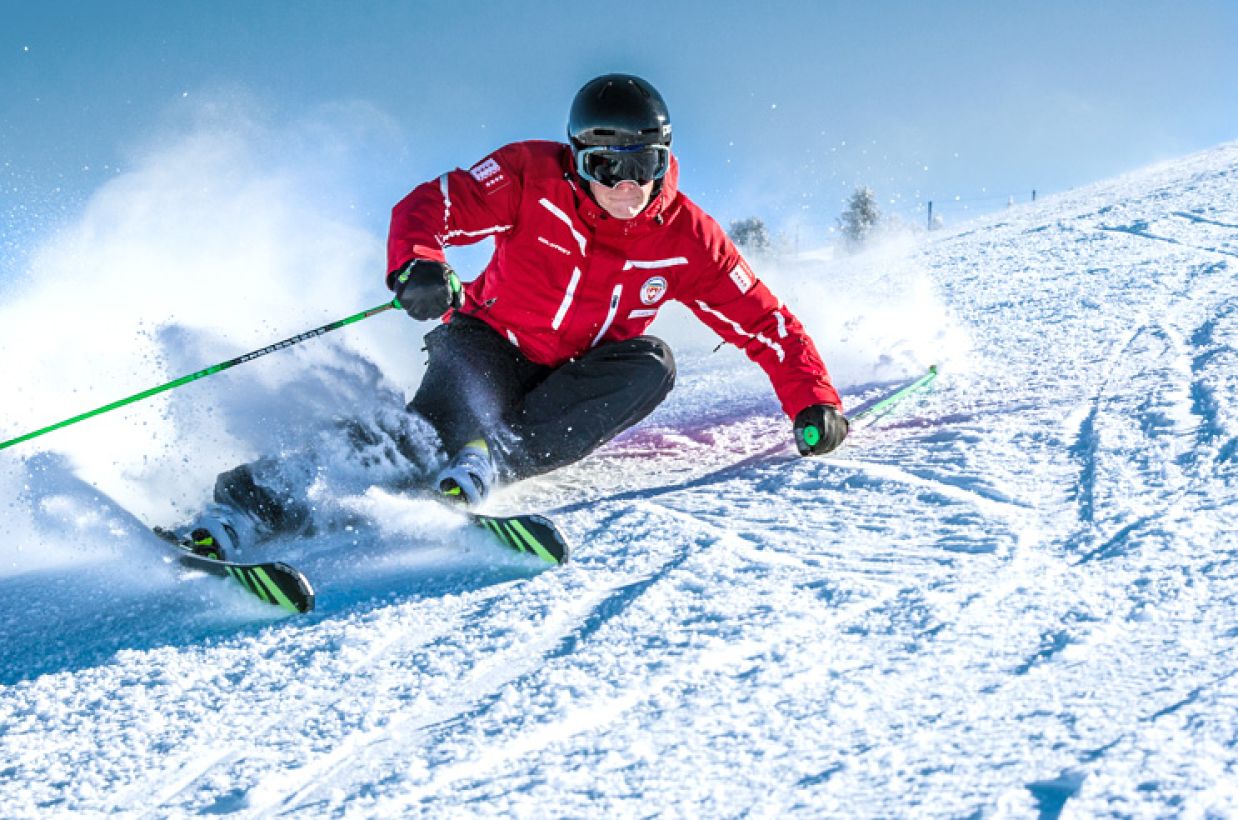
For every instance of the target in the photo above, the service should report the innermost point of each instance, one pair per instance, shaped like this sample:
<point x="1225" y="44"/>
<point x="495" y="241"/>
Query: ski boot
<point x="219" y="532"/>
<point x="468" y="477"/>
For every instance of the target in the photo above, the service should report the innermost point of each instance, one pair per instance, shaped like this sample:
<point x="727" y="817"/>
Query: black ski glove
<point x="426" y="289"/>
<point x="819" y="429"/>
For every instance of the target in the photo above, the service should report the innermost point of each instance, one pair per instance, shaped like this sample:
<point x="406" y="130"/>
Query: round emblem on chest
<point x="653" y="290"/>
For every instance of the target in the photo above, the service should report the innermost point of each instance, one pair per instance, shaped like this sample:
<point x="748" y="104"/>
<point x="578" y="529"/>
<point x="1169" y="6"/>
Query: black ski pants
<point x="536" y="418"/>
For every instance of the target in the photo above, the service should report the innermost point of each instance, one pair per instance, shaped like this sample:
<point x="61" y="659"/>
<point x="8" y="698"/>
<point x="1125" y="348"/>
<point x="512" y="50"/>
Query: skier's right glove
<point x="426" y="289"/>
<point x="819" y="429"/>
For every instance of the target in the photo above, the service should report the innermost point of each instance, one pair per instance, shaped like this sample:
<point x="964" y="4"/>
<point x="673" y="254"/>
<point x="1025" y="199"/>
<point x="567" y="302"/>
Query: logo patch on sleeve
<point x="742" y="277"/>
<point x="489" y="173"/>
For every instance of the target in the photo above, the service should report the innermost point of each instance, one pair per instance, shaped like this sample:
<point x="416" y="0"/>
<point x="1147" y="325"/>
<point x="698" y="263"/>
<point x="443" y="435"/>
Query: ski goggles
<point x="611" y="164"/>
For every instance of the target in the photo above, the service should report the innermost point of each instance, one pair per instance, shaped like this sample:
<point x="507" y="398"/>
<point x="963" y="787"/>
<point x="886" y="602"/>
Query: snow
<point x="1014" y="595"/>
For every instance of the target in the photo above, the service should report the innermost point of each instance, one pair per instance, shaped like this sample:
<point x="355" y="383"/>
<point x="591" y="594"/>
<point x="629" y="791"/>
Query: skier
<point x="543" y="357"/>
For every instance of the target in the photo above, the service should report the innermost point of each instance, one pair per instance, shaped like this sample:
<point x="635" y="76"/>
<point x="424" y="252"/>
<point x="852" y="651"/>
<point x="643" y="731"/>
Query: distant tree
<point x="861" y="218"/>
<point x="750" y="235"/>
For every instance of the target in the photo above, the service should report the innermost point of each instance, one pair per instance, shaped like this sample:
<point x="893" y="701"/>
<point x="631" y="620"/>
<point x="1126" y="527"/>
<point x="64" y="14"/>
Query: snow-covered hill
<point x="1016" y="595"/>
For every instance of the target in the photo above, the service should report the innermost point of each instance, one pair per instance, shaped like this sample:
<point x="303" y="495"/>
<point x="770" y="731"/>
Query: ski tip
<point x="301" y="596"/>
<point x="531" y="534"/>
<point x="275" y="583"/>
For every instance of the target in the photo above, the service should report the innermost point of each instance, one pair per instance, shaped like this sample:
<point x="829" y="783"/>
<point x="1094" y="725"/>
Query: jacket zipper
<point x="610" y="316"/>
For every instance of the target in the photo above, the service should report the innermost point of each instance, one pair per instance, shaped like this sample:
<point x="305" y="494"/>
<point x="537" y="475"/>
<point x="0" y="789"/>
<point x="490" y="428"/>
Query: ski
<point x="274" y="582"/>
<point x="531" y="534"/>
<point x="284" y="586"/>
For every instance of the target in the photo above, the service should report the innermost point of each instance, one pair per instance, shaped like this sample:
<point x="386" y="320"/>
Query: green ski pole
<point x="889" y="401"/>
<point x="210" y="371"/>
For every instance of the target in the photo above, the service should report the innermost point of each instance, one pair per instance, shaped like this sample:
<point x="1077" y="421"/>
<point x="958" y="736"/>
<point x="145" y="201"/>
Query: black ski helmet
<point x="618" y="109"/>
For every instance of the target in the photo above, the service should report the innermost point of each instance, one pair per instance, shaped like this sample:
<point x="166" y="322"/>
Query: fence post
<point x="930" y="215"/>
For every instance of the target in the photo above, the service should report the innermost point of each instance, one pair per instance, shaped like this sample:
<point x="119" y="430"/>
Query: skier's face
<point x="625" y="200"/>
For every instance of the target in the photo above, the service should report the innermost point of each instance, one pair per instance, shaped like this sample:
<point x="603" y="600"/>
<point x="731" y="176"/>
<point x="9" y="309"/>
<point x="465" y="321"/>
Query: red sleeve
<point x="459" y="208"/>
<point x="730" y="299"/>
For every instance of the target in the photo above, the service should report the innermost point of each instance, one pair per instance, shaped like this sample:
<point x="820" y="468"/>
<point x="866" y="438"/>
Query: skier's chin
<point x="625" y="211"/>
<point x="624" y="201"/>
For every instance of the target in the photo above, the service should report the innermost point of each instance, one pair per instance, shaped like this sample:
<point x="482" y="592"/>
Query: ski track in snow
<point x="1014" y="595"/>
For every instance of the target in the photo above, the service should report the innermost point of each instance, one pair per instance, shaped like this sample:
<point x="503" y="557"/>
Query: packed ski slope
<point x="1016" y="594"/>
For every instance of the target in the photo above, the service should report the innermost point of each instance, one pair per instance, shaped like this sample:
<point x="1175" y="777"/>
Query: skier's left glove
<point x="426" y="289"/>
<point x="819" y="429"/>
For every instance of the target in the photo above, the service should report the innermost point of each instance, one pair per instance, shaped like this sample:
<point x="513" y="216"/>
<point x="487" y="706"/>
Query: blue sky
<point x="780" y="108"/>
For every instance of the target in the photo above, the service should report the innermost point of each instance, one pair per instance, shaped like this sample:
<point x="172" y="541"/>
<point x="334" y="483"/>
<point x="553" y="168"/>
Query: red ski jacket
<point x="566" y="276"/>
